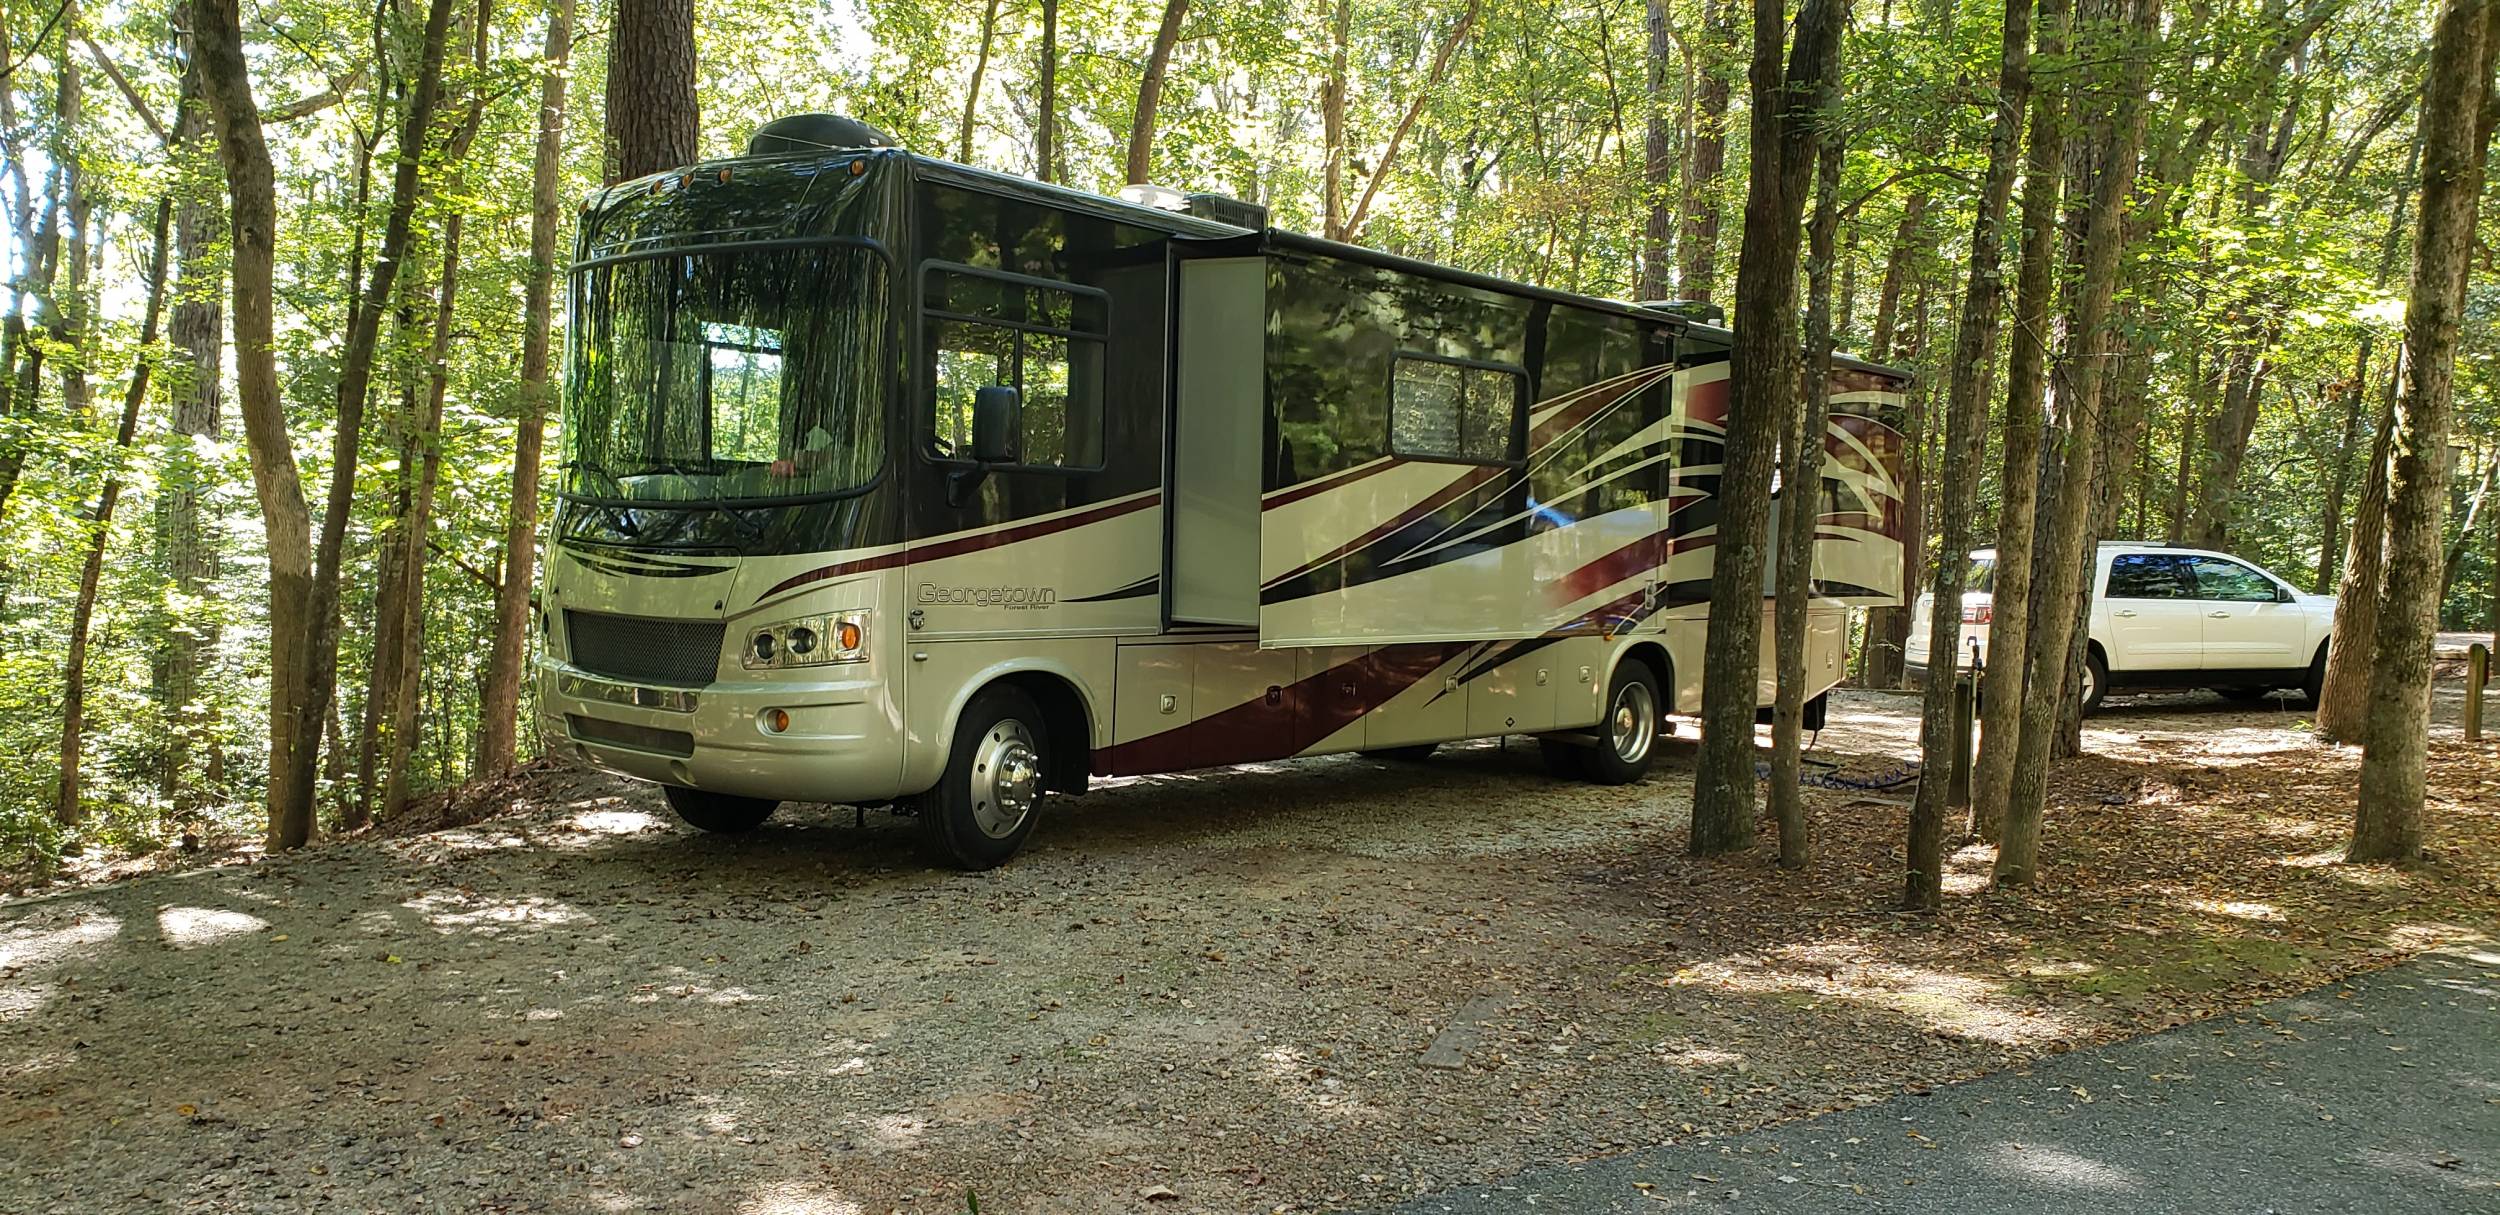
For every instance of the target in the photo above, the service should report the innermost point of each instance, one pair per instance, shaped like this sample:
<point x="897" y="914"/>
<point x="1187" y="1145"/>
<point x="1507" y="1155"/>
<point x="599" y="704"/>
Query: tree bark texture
<point x="1141" y="130"/>
<point x="196" y="328"/>
<point x="653" y="122"/>
<point x="1700" y="238"/>
<point x="972" y="91"/>
<point x="1964" y="427"/>
<point x="499" y="708"/>
<point x="2457" y="121"/>
<point x="1046" y="127"/>
<point x="2036" y="284"/>
<point x="1762" y="376"/>
<point x="1658" y="151"/>
<point x="286" y="518"/>
<point x="2068" y="523"/>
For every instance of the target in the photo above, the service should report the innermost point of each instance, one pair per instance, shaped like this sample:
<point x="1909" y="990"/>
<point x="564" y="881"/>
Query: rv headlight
<point x="807" y="641"/>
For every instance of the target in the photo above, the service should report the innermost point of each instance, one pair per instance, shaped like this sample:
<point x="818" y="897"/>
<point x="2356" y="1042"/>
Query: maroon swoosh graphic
<point x="1707" y="402"/>
<point x="964" y="544"/>
<point x="1302" y="713"/>
<point x="1646" y="553"/>
<point x="1334" y="480"/>
<point x="1474" y="478"/>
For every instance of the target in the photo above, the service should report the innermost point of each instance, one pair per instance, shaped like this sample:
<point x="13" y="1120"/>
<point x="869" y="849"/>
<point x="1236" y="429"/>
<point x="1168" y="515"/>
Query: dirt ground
<point x="1307" y="985"/>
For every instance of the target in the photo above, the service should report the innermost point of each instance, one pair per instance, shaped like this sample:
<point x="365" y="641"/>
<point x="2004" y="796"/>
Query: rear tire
<point x="1414" y="754"/>
<point x="1627" y="737"/>
<point x="985" y="805"/>
<point x="719" y="813"/>
<point x="2095" y="681"/>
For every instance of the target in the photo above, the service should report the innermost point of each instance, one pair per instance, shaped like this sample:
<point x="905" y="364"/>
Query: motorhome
<point x="890" y="481"/>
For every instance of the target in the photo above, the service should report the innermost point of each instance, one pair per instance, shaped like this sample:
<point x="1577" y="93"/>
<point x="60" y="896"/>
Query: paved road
<point x="2386" y="1099"/>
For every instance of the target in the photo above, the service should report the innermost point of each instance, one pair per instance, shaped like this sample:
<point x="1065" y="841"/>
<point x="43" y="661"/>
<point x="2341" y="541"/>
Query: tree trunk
<point x="653" y="119"/>
<point x="2069" y="520"/>
<point x="68" y="808"/>
<point x="2026" y="415"/>
<point x="2457" y="122"/>
<point x="499" y="706"/>
<point x="972" y="91"/>
<point x="2351" y="647"/>
<point x="196" y="329"/>
<point x="410" y="634"/>
<point x="1046" y="128"/>
<point x="1414" y="110"/>
<point x="1700" y="239"/>
<point x="1802" y="505"/>
<point x="1658" y="169"/>
<point x="2465" y="530"/>
<point x="285" y="517"/>
<point x="355" y="382"/>
<point x="1964" y="425"/>
<point x="1332" y="122"/>
<point x="1141" y="130"/>
<point x="1762" y="374"/>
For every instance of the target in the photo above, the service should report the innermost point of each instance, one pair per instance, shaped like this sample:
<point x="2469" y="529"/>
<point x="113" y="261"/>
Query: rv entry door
<point x="1219" y="398"/>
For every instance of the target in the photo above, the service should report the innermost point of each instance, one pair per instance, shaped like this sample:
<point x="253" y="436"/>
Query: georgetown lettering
<point x="989" y="596"/>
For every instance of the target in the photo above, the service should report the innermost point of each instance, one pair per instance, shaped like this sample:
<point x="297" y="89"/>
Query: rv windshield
<point x="735" y="375"/>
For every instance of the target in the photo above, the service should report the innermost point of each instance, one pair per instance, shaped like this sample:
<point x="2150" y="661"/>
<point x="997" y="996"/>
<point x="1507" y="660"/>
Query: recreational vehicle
<point x="890" y="481"/>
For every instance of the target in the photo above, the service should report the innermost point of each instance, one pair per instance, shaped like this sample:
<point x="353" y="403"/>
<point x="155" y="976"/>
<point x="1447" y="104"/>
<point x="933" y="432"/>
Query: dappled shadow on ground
<point x="1224" y="983"/>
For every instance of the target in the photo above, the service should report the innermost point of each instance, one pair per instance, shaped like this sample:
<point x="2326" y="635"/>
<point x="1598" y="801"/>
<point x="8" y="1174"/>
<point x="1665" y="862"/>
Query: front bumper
<point x="844" y="743"/>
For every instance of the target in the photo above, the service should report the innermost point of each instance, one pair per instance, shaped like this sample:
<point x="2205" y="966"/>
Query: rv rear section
<point x="891" y="481"/>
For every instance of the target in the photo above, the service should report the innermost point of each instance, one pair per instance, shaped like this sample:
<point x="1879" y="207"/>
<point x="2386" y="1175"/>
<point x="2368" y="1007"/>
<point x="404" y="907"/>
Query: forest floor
<point x="1294" y="986"/>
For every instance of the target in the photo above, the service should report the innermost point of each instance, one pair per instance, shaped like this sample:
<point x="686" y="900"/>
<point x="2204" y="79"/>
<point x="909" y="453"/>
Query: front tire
<point x="987" y="802"/>
<point x="1627" y="737"/>
<point x="2313" y="686"/>
<point x="2095" y="681"/>
<point x="719" y="813"/>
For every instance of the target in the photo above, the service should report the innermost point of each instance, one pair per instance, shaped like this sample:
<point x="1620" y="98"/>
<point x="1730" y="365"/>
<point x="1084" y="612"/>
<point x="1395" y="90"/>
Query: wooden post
<point x="2477" y="674"/>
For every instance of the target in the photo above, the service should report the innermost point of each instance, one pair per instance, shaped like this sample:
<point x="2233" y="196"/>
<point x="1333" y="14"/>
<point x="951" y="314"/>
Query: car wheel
<point x="1627" y="737"/>
<point x="2095" y="681"/>
<point x="722" y="813"/>
<point x="1414" y="754"/>
<point x="983" y="808"/>
<point x="2313" y="687"/>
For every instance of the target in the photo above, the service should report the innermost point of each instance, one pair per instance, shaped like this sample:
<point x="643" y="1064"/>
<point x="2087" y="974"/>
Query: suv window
<point x="2231" y="582"/>
<point x="2149" y="576"/>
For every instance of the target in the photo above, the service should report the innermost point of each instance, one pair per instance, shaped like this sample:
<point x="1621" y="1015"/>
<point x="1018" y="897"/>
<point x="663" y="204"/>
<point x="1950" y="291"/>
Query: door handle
<point x="2219" y="615"/>
<point x="2124" y="612"/>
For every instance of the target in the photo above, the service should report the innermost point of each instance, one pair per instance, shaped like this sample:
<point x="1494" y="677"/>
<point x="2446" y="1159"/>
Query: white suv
<point x="2168" y="617"/>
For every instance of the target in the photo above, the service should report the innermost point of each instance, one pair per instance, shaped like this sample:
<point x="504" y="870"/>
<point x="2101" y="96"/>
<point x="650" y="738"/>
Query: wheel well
<point x="2094" y="649"/>
<point x="1071" y="728"/>
<point x="1661" y="668"/>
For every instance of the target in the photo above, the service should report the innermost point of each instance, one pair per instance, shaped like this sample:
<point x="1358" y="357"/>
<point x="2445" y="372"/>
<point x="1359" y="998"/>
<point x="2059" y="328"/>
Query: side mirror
<point x="2284" y="595"/>
<point x="997" y="424"/>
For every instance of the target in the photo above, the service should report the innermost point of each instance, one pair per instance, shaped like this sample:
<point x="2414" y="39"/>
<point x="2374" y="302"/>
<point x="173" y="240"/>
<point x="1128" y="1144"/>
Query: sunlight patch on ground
<point x="798" y="1198"/>
<point x="1308" y="1081"/>
<point x="2059" y="1167"/>
<point x="2238" y="910"/>
<point x="896" y="1132"/>
<point x="33" y="941"/>
<point x="451" y="911"/>
<point x="1950" y="1003"/>
<point x="617" y="822"/>
<point x="192" y="927"/>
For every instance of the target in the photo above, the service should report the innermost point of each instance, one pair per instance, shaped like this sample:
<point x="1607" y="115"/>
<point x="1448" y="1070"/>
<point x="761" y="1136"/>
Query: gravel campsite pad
<point x="1289" y="987"/>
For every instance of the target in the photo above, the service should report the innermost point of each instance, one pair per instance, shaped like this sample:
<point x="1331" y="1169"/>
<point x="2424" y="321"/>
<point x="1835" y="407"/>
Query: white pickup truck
<point x="2169" y="617"/>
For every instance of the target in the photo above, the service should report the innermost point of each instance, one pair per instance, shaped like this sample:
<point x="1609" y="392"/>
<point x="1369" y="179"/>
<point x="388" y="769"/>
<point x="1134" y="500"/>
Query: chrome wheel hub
<point x="1006" y="779"/>
<point x="1633" y="725"/>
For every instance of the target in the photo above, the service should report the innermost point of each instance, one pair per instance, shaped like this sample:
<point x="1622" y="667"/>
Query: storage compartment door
<point x="1212" y="483"/>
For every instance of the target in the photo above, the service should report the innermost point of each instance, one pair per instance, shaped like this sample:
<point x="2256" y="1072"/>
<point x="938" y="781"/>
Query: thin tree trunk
<point x="2069" y="521"/>
<point x="2457" y="114"/>
<point x="2026" y="415"/>
<point x="2351" y="648"/>
<point x="1658" y="169"/>
<point x="286" y="519"/>
<point x="2465" y="530"/>
<point x="653" y="119"/>
<point x="1762" y="375"/>
<point x="1332" y="122"/>
<point x="972" y="91"/>
<point x="1964" y="424"/>
<point x="410" y="635"/>
<point x="1141" y="130"/>
<point x="196" y="328"/>
<point x="68" y="808"/>
<point x="1414" y="110"/>
<point x="499" y="706"/>
<point x="1046" y="128"/>
<point x="1708" y="144"/>
<point x="1803" y="507"/>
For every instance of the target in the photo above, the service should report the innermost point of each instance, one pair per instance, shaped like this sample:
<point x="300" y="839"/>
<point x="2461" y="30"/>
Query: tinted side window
<point x="1043" y="341"/>
<point x="1441" y="410"/>
<point x="2231" y="582"/>
<point x="2147" y="576"/>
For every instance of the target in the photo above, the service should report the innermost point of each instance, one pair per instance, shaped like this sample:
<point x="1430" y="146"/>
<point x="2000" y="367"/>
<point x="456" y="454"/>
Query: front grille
<point x="640" y="647"/>
<point x="622" y="734"/>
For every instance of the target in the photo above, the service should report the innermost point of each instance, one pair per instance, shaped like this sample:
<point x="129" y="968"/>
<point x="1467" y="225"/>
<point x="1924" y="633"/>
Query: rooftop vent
<point x="815" y="133"/>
